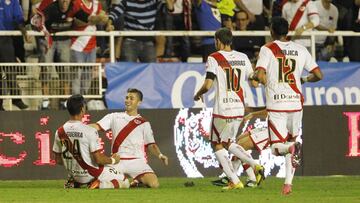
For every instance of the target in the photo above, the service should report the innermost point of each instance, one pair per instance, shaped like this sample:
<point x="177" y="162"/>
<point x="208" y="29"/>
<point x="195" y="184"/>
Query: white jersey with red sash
<point x="232" y="69"/>
<point x="298" y="14"/>
<point x="76" y="141"/>
<point x="131" y="134"/>
<point x="284" y="63"/>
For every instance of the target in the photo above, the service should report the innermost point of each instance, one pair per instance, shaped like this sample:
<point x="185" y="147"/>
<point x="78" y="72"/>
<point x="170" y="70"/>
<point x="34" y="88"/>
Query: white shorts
<point x="284" y="125"/>
<point x="109" y="173"/>
<point x="260" y="138"/>
<point x="134" y="167"/>
<point x="224" y="130"/>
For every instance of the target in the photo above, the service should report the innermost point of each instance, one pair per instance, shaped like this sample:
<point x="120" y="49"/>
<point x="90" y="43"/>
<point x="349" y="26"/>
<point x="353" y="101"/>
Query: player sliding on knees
<point x="77" y="147"/>
<point x="131" y="132"/>
<point x="279" y="68"/>
<point x="227" y="70"/>
<point x="255" y="139"/>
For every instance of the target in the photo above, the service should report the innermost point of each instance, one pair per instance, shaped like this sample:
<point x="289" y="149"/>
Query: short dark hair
<point x="136" y="91"/>
<point x="74" y="104"/>
<point x="279" y="26"/>
<point x="224" y="35"/>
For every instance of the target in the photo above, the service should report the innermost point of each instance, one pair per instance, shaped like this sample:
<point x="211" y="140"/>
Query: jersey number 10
<point x="233" y="79"/>
<point x="286" y="70"/>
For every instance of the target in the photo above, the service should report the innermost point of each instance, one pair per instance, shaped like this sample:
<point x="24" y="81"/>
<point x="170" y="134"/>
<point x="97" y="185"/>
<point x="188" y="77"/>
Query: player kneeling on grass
<point x="131" y="132"/>
<point x="77" y="147"/>
<point x="255" y="139"/>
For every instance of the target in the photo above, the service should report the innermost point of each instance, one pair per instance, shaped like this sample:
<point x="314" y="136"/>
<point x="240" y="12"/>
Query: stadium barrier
<point x="331" y="143"/>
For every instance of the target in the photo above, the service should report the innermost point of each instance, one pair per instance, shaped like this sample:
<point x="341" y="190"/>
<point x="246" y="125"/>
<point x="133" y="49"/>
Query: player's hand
<point x="303" y="80"/>
<point x="299" y="31"/>
<point x="116" y="157"/>
<point x="164" y="159"/>
<point x="331" y="30"/>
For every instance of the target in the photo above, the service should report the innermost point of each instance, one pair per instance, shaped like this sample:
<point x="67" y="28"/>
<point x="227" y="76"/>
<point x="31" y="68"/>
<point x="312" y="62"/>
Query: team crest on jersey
<point x="302" y="8"/>
<point x="137" y="121"/>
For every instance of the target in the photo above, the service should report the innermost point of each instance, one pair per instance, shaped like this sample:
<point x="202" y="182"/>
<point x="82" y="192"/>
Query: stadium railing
<point x="33" y="84"/>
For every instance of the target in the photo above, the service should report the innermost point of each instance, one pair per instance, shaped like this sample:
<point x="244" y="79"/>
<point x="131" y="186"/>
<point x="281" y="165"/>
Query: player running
<point x="77" y="147"/>
<point x="131" y="132"/>
<point x="279" y="68"/>
<point x="227" y="70"/>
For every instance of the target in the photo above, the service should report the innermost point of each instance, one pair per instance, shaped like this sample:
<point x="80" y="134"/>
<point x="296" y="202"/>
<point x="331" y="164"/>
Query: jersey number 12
<point x="286" y="69"/>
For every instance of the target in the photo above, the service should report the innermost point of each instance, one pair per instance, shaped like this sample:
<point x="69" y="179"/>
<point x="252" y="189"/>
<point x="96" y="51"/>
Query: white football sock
<point x="236" y="164"/>
<point x="223" y="158"/>
<point x="289" y="169"/>
<point x="280" y="148"/>
<point x="250" y="172"/>
<point x="240" y="153"/>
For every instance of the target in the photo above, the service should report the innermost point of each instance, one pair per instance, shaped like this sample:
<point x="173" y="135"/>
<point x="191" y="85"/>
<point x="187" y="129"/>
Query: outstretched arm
<point x="314" y="76"/>
<point x="154" y="149"/>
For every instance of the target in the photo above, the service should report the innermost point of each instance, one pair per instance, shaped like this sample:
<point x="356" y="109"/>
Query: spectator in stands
<point x="137" y="15"/>
<point x="181" y="20"/>
<point x="254" y="9"/>
<point x="328" y="13"/>
<point x="11" y="18"/>
<point x="56" y="49"/>
<point x="87" y="14"/>
<point x="248" y="44"/>
<point x="302" y="15"/>
<point x="208" y="18"/>
<point x="354" y="42"/>
<point x="226" y="8"/>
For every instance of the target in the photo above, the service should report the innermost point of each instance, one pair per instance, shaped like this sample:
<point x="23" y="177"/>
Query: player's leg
<point x="245" y="141"/>
<point x="149" y="179"/>
<point x="110" y="178"/>
<point x="140" y="171"/>
<point x="241" y="153"/>
<point x="219" y="134"/>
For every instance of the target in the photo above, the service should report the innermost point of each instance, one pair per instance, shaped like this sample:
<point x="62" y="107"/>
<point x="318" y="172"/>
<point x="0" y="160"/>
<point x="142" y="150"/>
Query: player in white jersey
<point x="279" y="68"/>
<point x="131" y="135"/>
<point x="77" y="147"/>
<point x="227" y="70"/>
<point x="302" y="15"/>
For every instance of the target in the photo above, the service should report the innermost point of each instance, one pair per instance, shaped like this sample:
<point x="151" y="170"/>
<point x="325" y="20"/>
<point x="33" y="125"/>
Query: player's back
<point x="284" y="63"/>
<point x="78" y="141"/>
<point x="231" y="68"/>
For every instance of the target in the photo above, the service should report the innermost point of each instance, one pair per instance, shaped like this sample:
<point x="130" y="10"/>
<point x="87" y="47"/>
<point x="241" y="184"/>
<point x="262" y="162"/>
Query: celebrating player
<point x="77" y="147"/>
<point x="279" y="68"/>
<point x="227" y="70"/>
<point x="131" y="133"/>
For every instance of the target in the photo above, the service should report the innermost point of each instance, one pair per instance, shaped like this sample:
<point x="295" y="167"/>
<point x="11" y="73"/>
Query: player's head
<point x="279" y="27"/>
<point x="223" y="37"/>
<point x="76" y="105"/>
<point x="64" y="5"/>
<point x="133" y="99"/>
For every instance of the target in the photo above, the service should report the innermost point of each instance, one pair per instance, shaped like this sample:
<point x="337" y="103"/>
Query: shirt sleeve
<point x="117" y="10"/>
<point x="264" y="59"/>
<point x="18" y="14"/>
<point x="211" y="65"/>
<point x="95" y="144"/>
<point x="105" y="122"/>
<point x="310" y="63"/>
<point x="57" y="144"/>
<point x="148" y="134"/>
<point x="313" y="14"/>
<point x="336" y="17"/>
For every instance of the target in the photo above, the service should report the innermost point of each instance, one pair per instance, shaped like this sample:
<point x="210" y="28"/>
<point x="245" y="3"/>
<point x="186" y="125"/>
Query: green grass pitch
<point x="306" y="189"/>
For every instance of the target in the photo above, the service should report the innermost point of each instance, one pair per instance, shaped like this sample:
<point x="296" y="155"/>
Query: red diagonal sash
<point x="95" y="172"/>
<point x="298" y="15"/>
<point x="125" y="132"/>
<point x="221" y="60"/>
<point x="275" y="49"/>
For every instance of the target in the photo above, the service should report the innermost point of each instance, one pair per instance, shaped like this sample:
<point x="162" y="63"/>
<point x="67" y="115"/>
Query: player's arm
<point x="314" y="76"/>
<point x="257" y="114"/>
<point x="96" y="126"/>
<point x="154" y="150"/>
<point x="102" y="159"/>
<point x="209" y="80"/>
<point x="260" y="75"/>
<point x="58" y="158"/>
